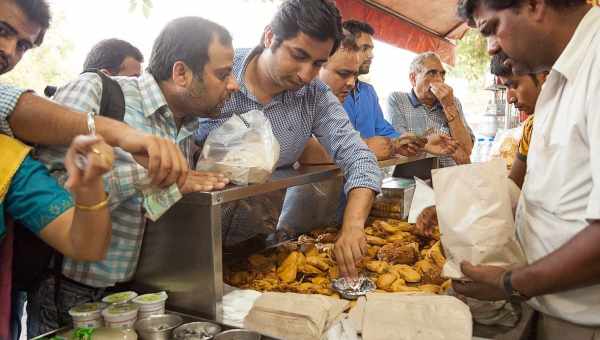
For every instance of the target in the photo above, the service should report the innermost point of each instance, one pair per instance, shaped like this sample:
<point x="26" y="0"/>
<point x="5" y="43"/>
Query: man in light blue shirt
<point x="362" y="105"/>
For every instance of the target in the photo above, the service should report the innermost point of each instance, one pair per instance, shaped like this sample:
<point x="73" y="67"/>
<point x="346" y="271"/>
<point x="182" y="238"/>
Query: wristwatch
<point x="513" y="295"/>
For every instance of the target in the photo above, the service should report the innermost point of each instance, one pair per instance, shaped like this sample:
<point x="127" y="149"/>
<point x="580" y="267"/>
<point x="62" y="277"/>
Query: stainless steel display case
<point x="182" y="251"/>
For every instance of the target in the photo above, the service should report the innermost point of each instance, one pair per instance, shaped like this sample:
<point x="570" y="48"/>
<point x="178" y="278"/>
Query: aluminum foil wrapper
<point x="196" y="331"/>
<point x="353" y="288"/>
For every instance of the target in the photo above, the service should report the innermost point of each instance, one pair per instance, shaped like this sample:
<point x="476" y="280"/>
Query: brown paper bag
<point x="475" y="215"/>
<point x="294" y="316"/>
<point x="415" y="316"/>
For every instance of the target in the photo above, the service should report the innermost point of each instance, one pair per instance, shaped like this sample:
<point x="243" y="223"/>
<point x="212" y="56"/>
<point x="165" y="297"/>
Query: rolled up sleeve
<point x="335" y="132"/>
<point x="9" y="97"/>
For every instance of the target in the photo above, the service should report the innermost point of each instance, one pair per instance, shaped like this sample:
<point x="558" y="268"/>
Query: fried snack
<point x="445" y="286"/>
<point x="429" y="288"/>
<point x="436" y="254"/>
<point x="430" y="273"/>
<point x="334" y="272"/>
<point x="240" y="278"/>
<point x="428" y="221"/>
<point x="407" y="273"/>
<point x="370" y="231"/>
<point x="261" y="263"/>
<point x="406" y="289"/>
<point x="265" y="285"/>
<point x="378" y="267"/>
<point x="289" y="268"/>
<point x="320" y="281"/>
<point x="385" y="227"/>
<point x="398" y="286"/>
<point x="327" y="238"/>
<point x="372" y="251"/>
<point x="374" y="240"/>
<point x="318" y="262"/>
<point x="311" y="250"/>
<point x="385" y="281"/>
<point x="401" y="236"/>
<point x="399" y="253"/>
<point x="402" y="225"/>
<point x="309" y="269"/>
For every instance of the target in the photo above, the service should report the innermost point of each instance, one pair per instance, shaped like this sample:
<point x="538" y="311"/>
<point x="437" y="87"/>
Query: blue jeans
<point x="18" y="302"/>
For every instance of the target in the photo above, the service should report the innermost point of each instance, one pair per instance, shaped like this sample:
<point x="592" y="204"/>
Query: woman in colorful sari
<point x="77" y="224"/>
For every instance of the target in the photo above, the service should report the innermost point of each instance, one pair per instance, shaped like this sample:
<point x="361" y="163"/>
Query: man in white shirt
<point x="559" y="210"/>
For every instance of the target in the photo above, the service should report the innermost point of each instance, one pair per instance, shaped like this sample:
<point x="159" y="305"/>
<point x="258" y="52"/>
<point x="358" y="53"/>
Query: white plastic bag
<point x="244" y="149"/>
<point x="475" y="216"/>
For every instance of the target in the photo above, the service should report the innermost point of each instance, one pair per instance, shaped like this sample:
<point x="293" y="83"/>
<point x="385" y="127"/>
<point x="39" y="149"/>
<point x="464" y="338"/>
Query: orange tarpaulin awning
<point x="417" y="26"/>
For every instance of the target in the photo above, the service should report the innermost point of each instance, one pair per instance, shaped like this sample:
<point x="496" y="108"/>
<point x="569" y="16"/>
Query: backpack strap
<point x="112" y="103"/>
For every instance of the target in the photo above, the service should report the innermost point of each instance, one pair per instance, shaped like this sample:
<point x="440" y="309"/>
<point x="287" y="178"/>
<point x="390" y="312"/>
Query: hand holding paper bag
<point x="475" y="217"/>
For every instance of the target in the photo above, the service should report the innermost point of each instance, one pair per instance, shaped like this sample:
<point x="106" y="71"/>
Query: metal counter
<point x="182" y="251"/>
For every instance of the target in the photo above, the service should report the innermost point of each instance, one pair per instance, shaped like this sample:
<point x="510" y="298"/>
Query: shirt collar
<point x="152" y="97"/>
<point x="154" y="102"/>
<point x="570" y="59"/>
<point x="412" y="97"/>
<point x="414" y="100"/>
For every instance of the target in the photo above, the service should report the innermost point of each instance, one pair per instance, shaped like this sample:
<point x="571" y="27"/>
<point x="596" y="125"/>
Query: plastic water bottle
<point x="477" y="150"/>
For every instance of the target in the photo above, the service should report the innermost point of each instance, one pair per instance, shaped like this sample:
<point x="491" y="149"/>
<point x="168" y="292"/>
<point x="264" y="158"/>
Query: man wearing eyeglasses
<point x="431" y="106"/>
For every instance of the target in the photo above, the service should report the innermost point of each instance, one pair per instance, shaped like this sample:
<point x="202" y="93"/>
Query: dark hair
<point x="37" y="11"/>
<point x="349" y="42"/>
<point x="497" y="66"/>
<point x="110" y="53"/>
<point x="185" y="39"/>
<point x="319" y="19"/>
<point x="358" y="27"/>
<point x="499" y="69"/>
<point x="466" y="8"/>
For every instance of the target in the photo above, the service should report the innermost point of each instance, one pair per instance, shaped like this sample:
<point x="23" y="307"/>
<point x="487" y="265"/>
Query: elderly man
<point x="558" y="215"/>
<point x="523" y="92"/>
<point x="185" y="80"/>
<point x="431" y="106"/>
<point x="341" y="73"/>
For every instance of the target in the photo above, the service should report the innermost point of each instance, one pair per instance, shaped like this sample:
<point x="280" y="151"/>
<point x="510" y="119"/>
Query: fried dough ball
<point x="399" y="253"/>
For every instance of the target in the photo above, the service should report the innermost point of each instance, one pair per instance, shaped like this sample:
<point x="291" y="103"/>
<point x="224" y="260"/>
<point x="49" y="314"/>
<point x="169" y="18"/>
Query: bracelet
<point x="91" y="124"/>
<point x="94" y="207"/>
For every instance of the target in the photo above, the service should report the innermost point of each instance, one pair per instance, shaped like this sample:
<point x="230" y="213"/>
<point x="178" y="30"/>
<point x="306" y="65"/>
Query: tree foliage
<point x="145" y="6"/>
<point x="472" y="61"/>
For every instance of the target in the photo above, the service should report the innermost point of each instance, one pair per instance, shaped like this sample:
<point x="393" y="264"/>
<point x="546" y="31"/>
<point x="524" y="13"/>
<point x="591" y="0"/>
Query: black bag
<point x="33" y="259"/>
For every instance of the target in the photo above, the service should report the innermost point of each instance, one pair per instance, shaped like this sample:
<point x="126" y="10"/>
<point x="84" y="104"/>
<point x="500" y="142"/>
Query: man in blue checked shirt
<point x="278" y="77"/>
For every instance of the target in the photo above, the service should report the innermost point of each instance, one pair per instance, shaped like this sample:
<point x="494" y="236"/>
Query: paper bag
<point x="423" y="198"/>
<point x="475" y="216"/>
<point x="408" y="317"/>
<point x="294" y="316"/>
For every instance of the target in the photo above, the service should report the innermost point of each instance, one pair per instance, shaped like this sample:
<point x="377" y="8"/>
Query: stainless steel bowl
<point x="238" y="334"/>
<point x="196" y="331"/>
<point x="157" y="327"/>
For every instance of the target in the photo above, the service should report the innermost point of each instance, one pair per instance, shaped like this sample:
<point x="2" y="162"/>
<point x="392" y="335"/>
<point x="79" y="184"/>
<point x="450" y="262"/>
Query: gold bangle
<point x="94" y="207"/>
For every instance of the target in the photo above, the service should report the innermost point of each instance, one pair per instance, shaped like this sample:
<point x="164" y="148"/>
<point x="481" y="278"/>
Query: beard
<point x="4" y="64"/>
